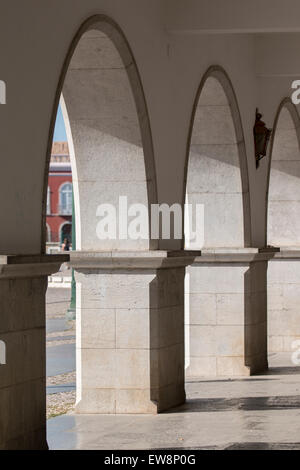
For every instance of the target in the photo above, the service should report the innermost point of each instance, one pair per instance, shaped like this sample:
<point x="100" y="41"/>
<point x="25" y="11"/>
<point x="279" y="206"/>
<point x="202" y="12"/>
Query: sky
<point x="59" y="130"/>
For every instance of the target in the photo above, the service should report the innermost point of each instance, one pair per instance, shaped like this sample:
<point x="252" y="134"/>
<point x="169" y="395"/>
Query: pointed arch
<point x="84" y="59"/>
<point x="216" y="172"/>
<point x="283" y="189"/>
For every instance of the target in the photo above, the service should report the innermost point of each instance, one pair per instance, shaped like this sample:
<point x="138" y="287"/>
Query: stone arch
<point x="216" y="172"/>
<point x="283" y="193"/>
<point x="111" y="155"/>
<point x="108" y="130"/>
<point x="216" y="334"/>
<point x="282" y="222"/>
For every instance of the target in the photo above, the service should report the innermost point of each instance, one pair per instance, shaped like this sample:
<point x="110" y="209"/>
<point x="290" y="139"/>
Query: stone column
<point x="227" y="316"/>
<point x="130" y="331"/>
<point x="284" y="300"/>
<point x="23" y="283"/>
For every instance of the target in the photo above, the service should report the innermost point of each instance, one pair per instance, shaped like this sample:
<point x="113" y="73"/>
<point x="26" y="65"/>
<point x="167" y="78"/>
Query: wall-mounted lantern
<point x="261" y="137"/>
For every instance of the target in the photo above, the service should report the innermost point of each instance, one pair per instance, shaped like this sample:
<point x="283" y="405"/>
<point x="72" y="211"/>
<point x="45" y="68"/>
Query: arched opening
<point x="217" y="181"/>
<point x="61" y="291"/>
<point x="66" y="232"/>
<point x="108" y="130"/>
<point x="217" y="174"/>
<point x="283" y="228"/>
<point x="65" y="199"/>
<point x="283" y="231"/>
<point x="111" y="155"/>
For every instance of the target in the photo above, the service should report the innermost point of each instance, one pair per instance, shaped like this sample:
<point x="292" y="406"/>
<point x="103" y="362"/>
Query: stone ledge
<point x="155" y="259"/>
<point x="291" y="253"/>
<point x="158" y="259"/>
<point x="27" y="266"/>
<point x="32" y="259"/>
<point x="235" y="255"/>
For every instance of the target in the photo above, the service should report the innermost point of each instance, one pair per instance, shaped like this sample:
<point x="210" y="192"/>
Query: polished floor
<point x="259" y="412"/>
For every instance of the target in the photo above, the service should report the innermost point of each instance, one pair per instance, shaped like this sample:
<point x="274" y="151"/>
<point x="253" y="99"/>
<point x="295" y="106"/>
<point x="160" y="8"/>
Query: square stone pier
<point x="23" y="284"/>
<point x="284" y="301"/>
<point x="130" y="330"/>
<point x="226" y="312"/>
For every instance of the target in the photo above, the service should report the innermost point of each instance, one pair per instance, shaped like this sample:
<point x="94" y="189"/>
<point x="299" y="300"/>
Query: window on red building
<point x="48" y="201"/>
<point x="65" y="199"/>
<point x="66" y="232"/>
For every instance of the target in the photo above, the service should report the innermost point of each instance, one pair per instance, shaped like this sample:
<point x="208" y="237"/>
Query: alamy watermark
<point x="2" y="92"/>
<point x="295" y="357"/>
<point x="295" y="97"/>
<point x="134" y="222"/>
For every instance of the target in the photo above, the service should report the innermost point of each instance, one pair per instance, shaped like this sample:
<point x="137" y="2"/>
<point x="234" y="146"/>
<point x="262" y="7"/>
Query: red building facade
<point x="59" y="197"/>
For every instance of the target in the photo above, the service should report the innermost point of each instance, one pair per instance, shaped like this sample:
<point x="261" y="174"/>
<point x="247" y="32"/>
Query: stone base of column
<point x="130" y="336"/>
<point x="23" y="283"/>
<point x="226" y="318"/>
<point x="284" y="301"/>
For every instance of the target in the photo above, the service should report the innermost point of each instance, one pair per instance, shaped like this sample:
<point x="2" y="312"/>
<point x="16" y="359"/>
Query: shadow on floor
<point x="281" y="371"/>
<point x="200" y="381"/>
<point x="197" y="405"/>
<point x="264" y="446"/>
<point x="241" y="446"/>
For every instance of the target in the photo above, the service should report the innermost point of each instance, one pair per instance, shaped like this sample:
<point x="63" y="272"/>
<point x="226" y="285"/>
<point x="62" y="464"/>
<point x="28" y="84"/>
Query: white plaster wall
<point x="194" y="17"/>
<point x="171" y="67"/>
<point x="35" y="38"/>
<point x="31" y="89"/>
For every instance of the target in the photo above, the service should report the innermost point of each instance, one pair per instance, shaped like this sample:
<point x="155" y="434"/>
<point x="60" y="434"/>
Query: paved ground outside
<point x="259" y="412"/>
<point x="60" y="365"/>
